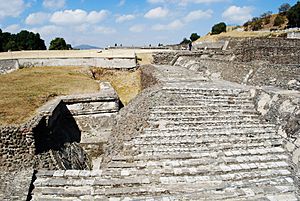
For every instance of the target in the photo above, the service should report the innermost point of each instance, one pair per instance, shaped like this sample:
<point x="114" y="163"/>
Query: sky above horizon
<point x="129" y="22"/>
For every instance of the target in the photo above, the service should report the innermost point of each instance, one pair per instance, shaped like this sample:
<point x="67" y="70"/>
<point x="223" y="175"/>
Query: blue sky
<point x="130" y="22"/>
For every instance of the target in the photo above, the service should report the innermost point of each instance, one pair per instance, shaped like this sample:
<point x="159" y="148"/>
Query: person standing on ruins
<point x="190" y="46"/>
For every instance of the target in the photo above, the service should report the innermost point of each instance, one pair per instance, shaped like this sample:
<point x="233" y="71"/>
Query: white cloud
<point x="95" y="17"/>
<point x="137" y="28"/>
<point x="235" y="14"/>
<point x="37" y="18"/>
<point x="198" y="15"/>
<point x="54" y="4"/>
<point x="177" y="24"/>
<point x="48" y="30"/>
<point x="104" y="30"/>
<point x="123" y="18"/>
<point x="158" y="12"/>
<point x="77" y="17"/>
<point x="185" y="2"/>
<point x="14" y="28"/>
<point x="11" y="8"/>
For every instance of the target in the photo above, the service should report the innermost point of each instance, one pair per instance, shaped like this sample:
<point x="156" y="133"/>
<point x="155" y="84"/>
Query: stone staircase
<point x="210" y="145"/>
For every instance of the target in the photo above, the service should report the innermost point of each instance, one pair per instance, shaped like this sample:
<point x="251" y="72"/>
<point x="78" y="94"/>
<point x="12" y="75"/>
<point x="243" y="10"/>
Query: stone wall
<point x="272" y="50"/>
<point x="17" y="145"/>
<point x="208" y="45"/>
<point x="250" y="73"/>
<point x="163" y="58"/>
<point x="115" y="63"/>
<point x="8" y="65"/>
<point x="148" y="78"/>
<point x="52" y="139"/>
<point x="282" y="107"/>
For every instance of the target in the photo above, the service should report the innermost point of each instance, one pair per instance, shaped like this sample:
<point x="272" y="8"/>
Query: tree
<point x="185" y="41"/>
<point x="218" y="28"/>
<point x="23" y="40"/>
<point x="257" y="25"/>
<point x="11" y="46"/>
<point x="284" y="8"/>
<point x="293" y="15"/>
<point x="266" y="14"/>
<point x="279" y="20"/>
<point x="194" y="37"/>
<point x="58" y="44"/>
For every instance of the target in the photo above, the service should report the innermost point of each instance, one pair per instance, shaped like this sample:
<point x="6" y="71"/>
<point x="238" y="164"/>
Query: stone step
<point x="211" y="137"/>
<point x="89" y="181"/>
<point x="222" y="128"/>
<point x="216" y="99"/>
<point x="195" y="148"/>
<point x="196" y="155"/>
<point x="210" y="94"/>
<point x="188" y="117"/>
<point x="214" y="154"/>
<point x="229" y="133"/>
<point x="191" y="112"/>
<point x="200" y="141"/>
<point x="279" y="193"/>
<point x="180" y="123"/>
<point x="205" y="107"/>
<point x="220" y="172"/>
<point x="215" y="158"/>
<point x="113" y="177"/>
<point x="207" y="89"/>
<point x="96" y="191"/>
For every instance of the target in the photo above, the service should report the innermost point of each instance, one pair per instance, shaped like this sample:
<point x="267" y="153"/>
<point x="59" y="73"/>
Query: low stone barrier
<point x="9" y="65"/>
<point x="51" y="139"/>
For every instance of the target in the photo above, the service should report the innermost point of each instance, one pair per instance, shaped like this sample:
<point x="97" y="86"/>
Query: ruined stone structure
<point x="209" y="125"/>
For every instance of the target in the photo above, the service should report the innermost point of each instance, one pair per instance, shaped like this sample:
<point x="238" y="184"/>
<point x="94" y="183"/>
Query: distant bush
<point x="279" y="20"/>
<point x="257" y="25"/>
<point x="59" y="44"/>
<point x="218" y="28"/>
<point x="293" y="15"/>
<point x="185" y="41"/>
<point x="194" y="37"/>
<point x="284" y="8"/>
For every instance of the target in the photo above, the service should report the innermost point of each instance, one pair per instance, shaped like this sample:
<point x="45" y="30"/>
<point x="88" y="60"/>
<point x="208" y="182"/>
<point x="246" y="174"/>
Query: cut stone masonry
<point x="204" y="140"/>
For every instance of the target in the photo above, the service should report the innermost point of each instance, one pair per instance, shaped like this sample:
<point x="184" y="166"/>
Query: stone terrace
<point x="209" y="144"/>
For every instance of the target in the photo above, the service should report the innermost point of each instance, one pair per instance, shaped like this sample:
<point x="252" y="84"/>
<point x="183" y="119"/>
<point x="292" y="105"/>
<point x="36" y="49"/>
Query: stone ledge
<point x="55" y="120"/>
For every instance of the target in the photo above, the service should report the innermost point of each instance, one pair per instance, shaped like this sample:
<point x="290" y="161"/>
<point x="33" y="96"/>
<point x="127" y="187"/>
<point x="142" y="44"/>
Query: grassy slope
<point x="126" y="83"/>
<point x="23" y="91"/>
<point x="247" y="34"/>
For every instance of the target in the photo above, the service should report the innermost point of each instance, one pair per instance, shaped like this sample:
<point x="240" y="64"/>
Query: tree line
<point x="25" y="40"/>
<point x="288" y="15"/>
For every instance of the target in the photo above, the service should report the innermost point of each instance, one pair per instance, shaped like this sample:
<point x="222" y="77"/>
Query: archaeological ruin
<point x="221" y="122"/>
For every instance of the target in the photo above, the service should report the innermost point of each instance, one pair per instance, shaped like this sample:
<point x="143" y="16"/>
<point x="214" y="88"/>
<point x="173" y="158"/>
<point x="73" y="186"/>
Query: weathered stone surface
<point x="8" y="65"/>
<point x="186" y="138"/>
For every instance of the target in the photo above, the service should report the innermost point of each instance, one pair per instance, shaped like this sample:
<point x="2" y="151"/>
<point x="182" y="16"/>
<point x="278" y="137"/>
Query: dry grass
<point x="144" y="58"/>
<point x="240" y="34"/>
<point x="25" y="90"/>
<point x="126" y="83"/>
